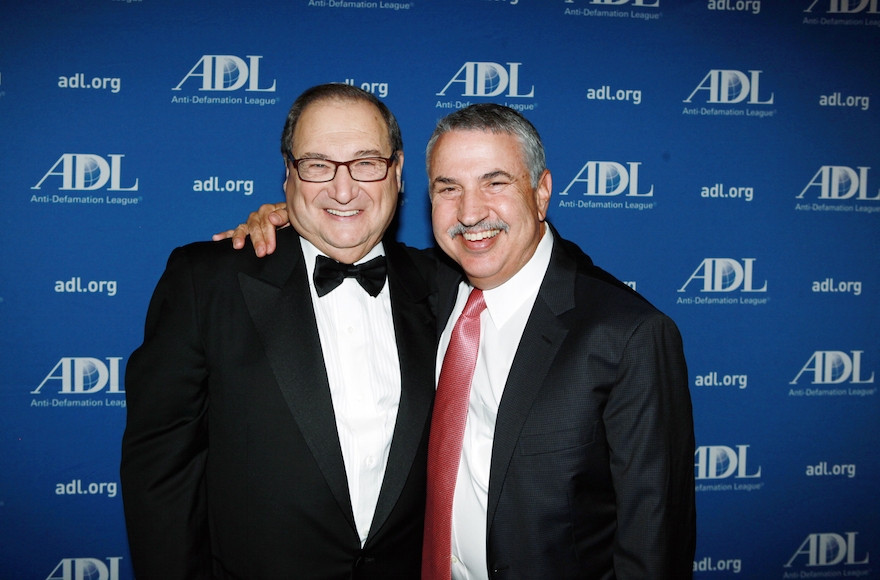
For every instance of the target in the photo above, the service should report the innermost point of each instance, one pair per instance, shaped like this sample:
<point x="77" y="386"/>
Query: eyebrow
<point x="497" y="173"/>
<point x="484" y="177"/>
<point x="443" y="181"/>
<point x="357" y="154"/>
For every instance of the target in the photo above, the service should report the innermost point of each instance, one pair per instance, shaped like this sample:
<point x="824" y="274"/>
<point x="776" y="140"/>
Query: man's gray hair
<point x="494" y="118"/>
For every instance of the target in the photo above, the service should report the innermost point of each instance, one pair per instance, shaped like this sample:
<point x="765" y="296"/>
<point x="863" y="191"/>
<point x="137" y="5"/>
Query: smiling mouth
<point x="484" y="230"/>
<point x="477" y="236"/>
<point x="341" y="213"/>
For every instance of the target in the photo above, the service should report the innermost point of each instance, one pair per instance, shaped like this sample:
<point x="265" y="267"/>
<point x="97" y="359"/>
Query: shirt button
<point x="370" y="461"/>
<point x="351" y="329"/>
<point x="454" y="559"/>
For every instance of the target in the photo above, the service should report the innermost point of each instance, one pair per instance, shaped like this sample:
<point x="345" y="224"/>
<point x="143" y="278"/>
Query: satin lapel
<point x="449" y="275"/>
<point x="414" y="330"/>
<point x="280" y="305"/>
<point x="541" y="339"/>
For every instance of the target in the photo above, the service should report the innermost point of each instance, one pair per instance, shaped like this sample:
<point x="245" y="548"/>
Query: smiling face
<point x="485" y="212"/>
<point x="343" y="218"/>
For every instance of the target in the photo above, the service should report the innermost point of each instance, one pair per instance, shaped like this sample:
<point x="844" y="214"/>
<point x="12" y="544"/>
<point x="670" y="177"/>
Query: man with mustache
<point x="562" y="434"/>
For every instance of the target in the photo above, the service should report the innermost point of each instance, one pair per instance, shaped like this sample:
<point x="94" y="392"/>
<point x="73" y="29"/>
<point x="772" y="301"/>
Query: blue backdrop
<point x="721" y="156"/>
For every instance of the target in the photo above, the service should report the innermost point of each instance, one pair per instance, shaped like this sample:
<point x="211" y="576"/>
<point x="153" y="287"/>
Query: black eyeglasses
<point x="322" y="170"/>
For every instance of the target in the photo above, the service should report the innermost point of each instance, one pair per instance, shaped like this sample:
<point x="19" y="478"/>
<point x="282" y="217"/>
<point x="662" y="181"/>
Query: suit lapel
<point x="541" y="339"/>
<point x="449" y="276"/>
<point x="414" y="330"/>
<point x="280" y="305"/>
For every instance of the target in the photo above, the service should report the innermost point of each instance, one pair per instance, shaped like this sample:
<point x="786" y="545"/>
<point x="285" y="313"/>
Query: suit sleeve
<point x="649" y="426"/>
<point x="165" y="445"/>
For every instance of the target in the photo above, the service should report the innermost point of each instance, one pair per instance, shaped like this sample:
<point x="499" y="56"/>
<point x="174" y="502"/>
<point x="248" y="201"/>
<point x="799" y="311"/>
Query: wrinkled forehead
<point x="476" y="150"/>
<point x="351" y="124"/>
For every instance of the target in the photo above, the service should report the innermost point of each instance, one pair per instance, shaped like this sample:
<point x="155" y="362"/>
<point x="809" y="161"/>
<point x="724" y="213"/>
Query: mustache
<point x="459" y="228"/>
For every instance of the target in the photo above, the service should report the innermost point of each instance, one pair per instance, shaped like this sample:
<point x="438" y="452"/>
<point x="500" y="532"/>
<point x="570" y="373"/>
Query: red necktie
<point x="447" y="433"/>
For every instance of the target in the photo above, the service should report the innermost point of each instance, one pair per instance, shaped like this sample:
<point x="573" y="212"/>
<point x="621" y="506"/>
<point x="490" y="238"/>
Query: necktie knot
<point x="329" y="274"/>
<point x="475" y="304"/>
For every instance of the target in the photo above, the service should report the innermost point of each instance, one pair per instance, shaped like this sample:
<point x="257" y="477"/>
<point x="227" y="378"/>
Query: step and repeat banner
<point x="720" y="156"/>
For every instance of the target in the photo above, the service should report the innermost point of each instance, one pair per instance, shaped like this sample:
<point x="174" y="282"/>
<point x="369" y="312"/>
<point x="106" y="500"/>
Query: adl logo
<point x="87" y="172"/>
<point x="847" y="6"/>
<point x="224" y="72"/>
<point x="488" y="79"/>
<point x="86" y="569"/>
<point x="840" y="182"/>
<point x="831" y="367"/>
<point x="84" y="375"/>
<point x="725" y="275"/>
<point x="720" y="462"/>
<point x="608" y="178"/>
<point x="828" y="549"/>
<point x="728" y="87"/>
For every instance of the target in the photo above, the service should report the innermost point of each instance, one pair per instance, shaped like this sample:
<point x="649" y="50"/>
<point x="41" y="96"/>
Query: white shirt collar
<point x="503" y="301"/>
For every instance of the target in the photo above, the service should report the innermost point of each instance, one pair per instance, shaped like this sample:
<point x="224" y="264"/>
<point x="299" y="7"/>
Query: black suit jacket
<point x="592" y="463"/>
<point x="231" y="463"/>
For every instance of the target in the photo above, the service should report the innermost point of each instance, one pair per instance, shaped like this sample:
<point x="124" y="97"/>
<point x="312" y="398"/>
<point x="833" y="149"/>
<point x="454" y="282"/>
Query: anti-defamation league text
<point x="729" y="486"/>
<point x="712" y="111"/>
<point x="196" y="100"/>
<point x="841" y="207"/>
<point x="613" y="13"/>
<point x="362" y="4"/>
<point x="724" y="300"/>
<point x="86" y="199"/>
<point x="839" y="392"/>
<point x="120" y="403"/>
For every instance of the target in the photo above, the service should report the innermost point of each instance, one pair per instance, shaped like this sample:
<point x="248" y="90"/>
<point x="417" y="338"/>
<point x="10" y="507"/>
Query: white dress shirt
<point x="360" y="355"/>
<point x="501" y="327"/>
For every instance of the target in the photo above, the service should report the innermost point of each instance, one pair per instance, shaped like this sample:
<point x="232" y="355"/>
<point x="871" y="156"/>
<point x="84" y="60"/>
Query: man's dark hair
<point x="337" y="92"/>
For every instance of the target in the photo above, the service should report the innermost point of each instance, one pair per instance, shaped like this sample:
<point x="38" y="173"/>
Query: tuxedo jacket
<point x="231" y="462"/>
<point x="592" y="473"/>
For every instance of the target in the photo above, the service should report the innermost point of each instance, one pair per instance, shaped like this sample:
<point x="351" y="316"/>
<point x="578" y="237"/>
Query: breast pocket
<point x="559" y="440"/>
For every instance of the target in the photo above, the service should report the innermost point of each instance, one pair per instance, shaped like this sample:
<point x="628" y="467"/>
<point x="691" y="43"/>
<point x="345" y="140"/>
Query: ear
<point x="543" y="193"/>
<point x="398" y="170"/>
<point x="286" y="174"/>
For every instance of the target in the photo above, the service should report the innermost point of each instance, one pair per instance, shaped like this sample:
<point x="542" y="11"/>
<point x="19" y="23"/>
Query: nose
<point x="342" y="188"/>
<point x="471" y="207"/>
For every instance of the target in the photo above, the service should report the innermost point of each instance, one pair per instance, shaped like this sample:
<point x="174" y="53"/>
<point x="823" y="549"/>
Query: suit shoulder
<point x="207" y="257"/>
<point x="212" y="263"/>
<point x="420" y="258"/>
<point x="586" y="267"/>
<point x="415" y="269"/>
<point x="604" y="294"/>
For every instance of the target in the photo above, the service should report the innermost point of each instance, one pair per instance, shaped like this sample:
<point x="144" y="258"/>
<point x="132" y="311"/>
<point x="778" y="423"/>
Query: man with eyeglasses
<point x="278" y="408"/>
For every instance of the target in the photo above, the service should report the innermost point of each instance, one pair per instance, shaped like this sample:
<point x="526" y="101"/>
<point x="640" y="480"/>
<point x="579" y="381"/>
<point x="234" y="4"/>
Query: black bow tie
<point x="329" y="274"/>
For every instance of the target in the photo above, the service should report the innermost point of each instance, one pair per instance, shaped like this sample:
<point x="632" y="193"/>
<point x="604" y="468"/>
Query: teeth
<point x="342" y="213"/>
<point x="477" y="236"/>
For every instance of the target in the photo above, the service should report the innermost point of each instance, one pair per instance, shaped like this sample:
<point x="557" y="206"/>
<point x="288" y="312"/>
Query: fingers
<point x="279" y="217"/>
<point x="238" y="235"/>
<point x="223" y="235"/>
<point x="261" y="226"/>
